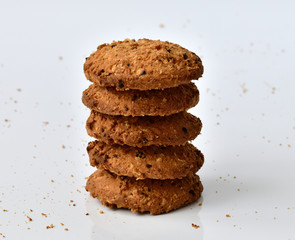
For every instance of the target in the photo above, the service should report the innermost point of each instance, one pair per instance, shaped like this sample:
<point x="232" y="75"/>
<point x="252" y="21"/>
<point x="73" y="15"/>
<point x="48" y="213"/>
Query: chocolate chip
<point x="145" y="140"/>
<point x="134" y="97"/>
<point x="102" y="70"/>
<point x="197" y="61"/>
<point x="192" y="192"/>
<point x="143" y="73"/>
<point x="106" y="157"/>
<point x="109" y="74"/>
<point x="148" y="165"/>
<point x="185" y="56"/>
<point x="115" y="156"/>
<point x="86" y="58"/>
<point x="140" y="154"/>
<point x="126" y="109"/>
<point x="184" y="130"/>
<point x="168" y="50"/>
<point x="128" y="64"/>
<point x="105" y="135"/>
<point x="121" y="85"/>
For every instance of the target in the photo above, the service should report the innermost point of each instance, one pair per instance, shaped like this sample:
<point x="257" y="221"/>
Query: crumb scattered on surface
<point x="101" y="212"/>
<point x="66" y="229"/>
<point x="227" y="215"/>
<point x="50" y="226"/>
<point x="30" y="219"/>
<point x="195" y="226"/>
<point x="63" y="146"/>
<point x="161" y="25"/>
<point x="46" y="123"/>
<point x="86" y="214"/>
<point x="5" y="210"/>
<point x="243" y="86"/>
<point x="200" y="204"/>
<point x="61" y="224"/>
<point x="44" y="215"/>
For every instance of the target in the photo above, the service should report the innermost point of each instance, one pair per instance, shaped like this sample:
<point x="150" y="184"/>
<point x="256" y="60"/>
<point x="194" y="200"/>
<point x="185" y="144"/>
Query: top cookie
<point x="144" y="64"/>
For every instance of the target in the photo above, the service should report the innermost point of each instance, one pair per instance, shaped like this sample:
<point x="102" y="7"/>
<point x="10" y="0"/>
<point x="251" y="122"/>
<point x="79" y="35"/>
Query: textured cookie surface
<point x="147" y="162"/>
<point x="140" y="103"/>
<point x="148" y="195"/>
<point x="175" y="129"/>
<point x="144" y="64"/>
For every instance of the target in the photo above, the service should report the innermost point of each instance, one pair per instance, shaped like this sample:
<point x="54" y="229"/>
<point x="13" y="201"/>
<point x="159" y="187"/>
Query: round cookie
<point x="144" y="64"/>
<point x="140" y="103"/>
<point x="148" y="195"/>
<point x="176" y="129"/>
<point x="152" y="162"/>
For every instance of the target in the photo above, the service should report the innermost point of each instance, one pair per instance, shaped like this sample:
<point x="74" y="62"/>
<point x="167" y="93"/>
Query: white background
<point x="246" y="105"/>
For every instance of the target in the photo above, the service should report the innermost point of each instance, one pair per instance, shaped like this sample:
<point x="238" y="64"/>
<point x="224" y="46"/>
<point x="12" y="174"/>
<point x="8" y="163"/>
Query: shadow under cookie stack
<point x="139" y="99"/>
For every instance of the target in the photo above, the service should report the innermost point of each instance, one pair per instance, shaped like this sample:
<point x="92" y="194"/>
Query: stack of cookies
<point x="139" y="97"/>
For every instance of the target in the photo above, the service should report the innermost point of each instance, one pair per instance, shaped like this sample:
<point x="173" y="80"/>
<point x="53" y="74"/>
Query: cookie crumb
<point x="5" y="210"/>
<point x="61" y="224"/>
<point x="86" y="214"/>
<point x="50" y="226"/>
<point x="195" y="226"/>
<point x="101" y="212"/>
<point x="161" y="25"/>
<point x="227" y="215"/>
<point x="243" y="86"/>
<point x="63" y="146"/>
<point x="46" y="123"/>
<point x="200" y="204"/>
<point x="66" y="229"/>
<point x="44" y="215"/>
<point x="30" y="219"/>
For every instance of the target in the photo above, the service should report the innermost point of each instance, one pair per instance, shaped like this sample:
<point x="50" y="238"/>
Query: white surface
<point x="247" y="108"/>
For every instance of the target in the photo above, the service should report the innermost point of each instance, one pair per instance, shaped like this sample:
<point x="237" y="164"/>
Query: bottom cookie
<point x="148" y="195"/>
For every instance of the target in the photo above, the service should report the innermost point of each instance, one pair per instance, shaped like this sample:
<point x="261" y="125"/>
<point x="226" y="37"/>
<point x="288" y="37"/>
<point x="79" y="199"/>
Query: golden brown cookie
<point x="140" y="103"/>
<point x="175" y="129"/>
<point x="147" y="162"/>
<point x="148" y="195"/>
<point x="144" y="64"/>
